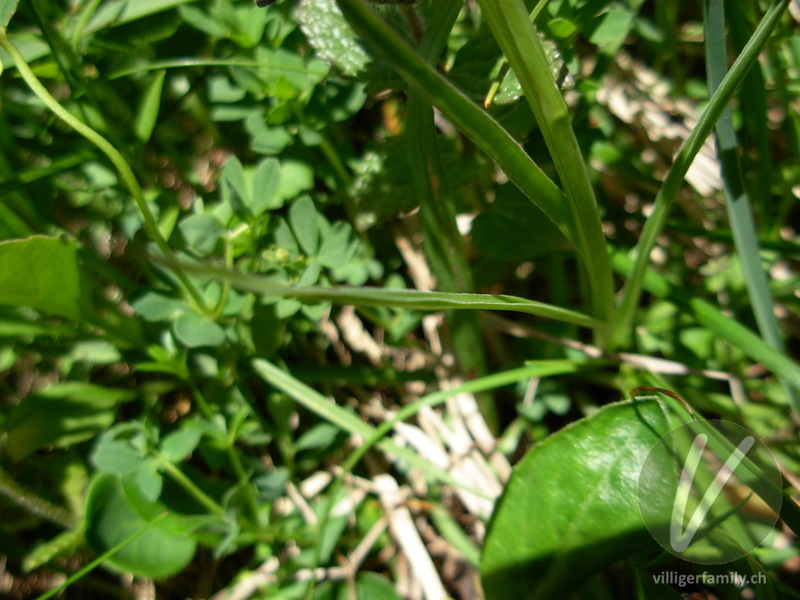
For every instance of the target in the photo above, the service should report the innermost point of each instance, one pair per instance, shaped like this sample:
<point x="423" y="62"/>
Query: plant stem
<point x="189" y="486"/>
<point x="511" y="26"/>
<point x="124" y="170"/>
<point x="233" y="457"/>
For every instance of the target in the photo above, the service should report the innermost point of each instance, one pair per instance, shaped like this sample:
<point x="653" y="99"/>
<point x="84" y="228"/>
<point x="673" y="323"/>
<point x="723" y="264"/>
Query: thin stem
<point x="125" y="172"/>
<point x="233" y="457"/>
<point x="189" y="486"/>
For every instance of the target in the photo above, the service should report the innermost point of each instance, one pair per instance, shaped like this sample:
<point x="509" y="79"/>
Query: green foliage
<point x="41" y="273"/>
<point x="542" y="543"/>
<point x="115" y="510"/>
<point x="255" y="261"/>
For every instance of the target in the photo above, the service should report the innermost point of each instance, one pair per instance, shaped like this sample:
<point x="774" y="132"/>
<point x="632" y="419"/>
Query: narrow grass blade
<point x="737" y="201"/>
<point x="669" y="189"/>
<point x="410" y="299"/>
<point x="347" y="421"/>
<point x="511" y="26"/>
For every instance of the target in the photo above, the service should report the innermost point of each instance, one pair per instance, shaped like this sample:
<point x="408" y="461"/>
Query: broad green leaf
<point x="62" y="415"/>
<point x="115" y="511"/>
<point x="266" y="183"/>
<point x="7" y="10"/>
<point x="197" y="330"/>
<point x="330" y="35"/>
<point x="179" y="444"/>
<point x="303" y="219"/>
<point x="202" y="232"/>
<point x="571" y="506"/>
<point x="148" y="110"/>
<point x="40" y="272"/>
<point x="320" y="436"/>
<point x="272" y="486"/>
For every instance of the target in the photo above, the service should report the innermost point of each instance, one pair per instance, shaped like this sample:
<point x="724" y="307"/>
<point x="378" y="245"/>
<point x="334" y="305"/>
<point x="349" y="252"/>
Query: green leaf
<point x="197" y="330"/>
<point x="118" y="12"/>
<point x="337" y="246"/>
<point x="116" y="456"/>
<point x="571" y="506"/>
<point x="153" y="306"/>
<point x="62" y="415"/>
<point x="148" y="479"/>
<point x="330" y="35"/>
<point x="562" y="28"/>
<point x="179" y="444"/>
<point x="115" y="511"/>
<point x="318" y="437"/>
<point x="202" y="232"/>
<point x="303" y="219"/>
<point x="234" y="183"/>
<point x="296" y="178"/>
<point x="148" y="110"/>
<point x="266" y="183"/>
<point x="610" y="30"/>
<point x="7" y="10"/>
<point x="40" y="272"/>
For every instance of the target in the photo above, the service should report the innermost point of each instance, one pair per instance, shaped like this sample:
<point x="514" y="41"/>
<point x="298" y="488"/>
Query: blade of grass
<point x="514" y="32"/>
<point x="442" y="242"/>
<point x="475" y="123"/>
<point x="371" y="296"/>
<point x="737" y="201"/>
<point x="665" y="197"/>
<point x="713" y="319"/>
<point x="347" y="421"/>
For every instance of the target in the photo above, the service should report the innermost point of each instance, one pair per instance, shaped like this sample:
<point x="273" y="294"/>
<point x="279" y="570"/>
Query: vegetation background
<point x="286" y="293"/>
